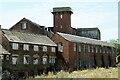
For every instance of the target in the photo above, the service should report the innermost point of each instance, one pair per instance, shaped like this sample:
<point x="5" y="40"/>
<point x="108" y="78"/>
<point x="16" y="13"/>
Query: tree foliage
<point x="115" y="44"/>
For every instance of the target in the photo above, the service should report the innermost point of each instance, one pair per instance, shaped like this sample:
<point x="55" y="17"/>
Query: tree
<point x="115" y="44"/>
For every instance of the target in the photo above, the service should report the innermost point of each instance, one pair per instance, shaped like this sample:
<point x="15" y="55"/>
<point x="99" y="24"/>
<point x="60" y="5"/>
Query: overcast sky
<point x="90" y="13"/>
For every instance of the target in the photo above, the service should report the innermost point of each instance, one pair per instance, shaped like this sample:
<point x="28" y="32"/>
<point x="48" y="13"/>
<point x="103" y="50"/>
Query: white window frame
<point x="26" y="47"/>
<point x="16" y="60"/>
<point x="36" y="48"/>
<point x="45" y="48"/>
<point x="1" y="57"/>
<point x="15" y="46"/>
<point x="53" y="49"/>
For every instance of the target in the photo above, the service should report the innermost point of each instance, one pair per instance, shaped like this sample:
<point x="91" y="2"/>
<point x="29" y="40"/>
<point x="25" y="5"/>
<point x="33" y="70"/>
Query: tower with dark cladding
<point x="62" y="19"/>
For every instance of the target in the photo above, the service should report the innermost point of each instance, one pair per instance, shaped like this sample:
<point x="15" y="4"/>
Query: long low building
<point x="75" y="52"/>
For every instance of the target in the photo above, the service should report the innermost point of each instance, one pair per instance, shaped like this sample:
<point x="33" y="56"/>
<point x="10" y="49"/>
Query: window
<point x="14" y="59"/>
<point x="96" y="49"/>
<point x="44" y="48"/>
<point x="60" y="47"/>
<point x="26" y="47"/>
<point x="26" y="59"/>
<point x="88" y="48"/>
<point x="35" y="48"/>
<point x="61" y="26"/>
<point x="92" y="48"/>
<point x="23" y="25"/>
<point x="53" y="49"/>
<point x="100" y="50"/>
<point x="84" y="48"/>
<point x="104" y="50"/>
<point x="15" y="46"/>
<point x="1" y="57"/>
<point x="74" y="46"/>
<point x="44" y="59"/>
<point x="52" y="60"/>
<point x="35" y="59"/>
<point x="61" y="16"/>
<point x="79" y="48"/>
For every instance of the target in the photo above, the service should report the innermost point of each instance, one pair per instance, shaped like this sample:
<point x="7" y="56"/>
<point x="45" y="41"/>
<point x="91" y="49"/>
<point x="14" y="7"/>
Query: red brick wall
<point x="31" y="28"/>
<point x="65" y="22"/>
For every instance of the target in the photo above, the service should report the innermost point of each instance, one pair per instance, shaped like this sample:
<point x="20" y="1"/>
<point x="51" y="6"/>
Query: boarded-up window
<point x="26" y="47"/>
<point x="15" y="46"/>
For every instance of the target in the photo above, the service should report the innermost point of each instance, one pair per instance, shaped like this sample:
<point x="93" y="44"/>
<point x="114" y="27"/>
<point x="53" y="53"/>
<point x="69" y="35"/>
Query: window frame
<point x="24" y="25"/>
<point x="26" y="47"/>
<point x="36" y="48"/>
<point x="15" y="46"/>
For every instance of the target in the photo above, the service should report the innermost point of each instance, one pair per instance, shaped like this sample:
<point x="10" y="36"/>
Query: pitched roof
<point x="78" y="39"/>
<point x="3" y="51"/>
<point x="14" y="36"/>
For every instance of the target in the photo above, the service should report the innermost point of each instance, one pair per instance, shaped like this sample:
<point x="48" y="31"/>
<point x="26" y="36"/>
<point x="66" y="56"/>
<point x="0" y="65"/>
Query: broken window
<point x="35" y="59"/>
<point x="26" y="59"/>
<point x="14" y="59"/>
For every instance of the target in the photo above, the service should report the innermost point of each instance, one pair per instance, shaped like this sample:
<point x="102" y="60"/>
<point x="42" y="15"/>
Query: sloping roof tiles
<point x="14" y="36"/>
<point x="2" y="50"/>
<point x="74" y="38"/>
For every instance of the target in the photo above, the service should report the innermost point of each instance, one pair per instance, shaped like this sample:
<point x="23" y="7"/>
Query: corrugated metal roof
<point x="2" y="50"/>
<point x="78" y="39"/>
<point x="14" y="36"/>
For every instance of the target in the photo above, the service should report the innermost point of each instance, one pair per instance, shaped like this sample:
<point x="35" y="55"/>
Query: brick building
<point x="28" y="52"/>
<point x="75" y="52"/>
<point x="26" y="25"/>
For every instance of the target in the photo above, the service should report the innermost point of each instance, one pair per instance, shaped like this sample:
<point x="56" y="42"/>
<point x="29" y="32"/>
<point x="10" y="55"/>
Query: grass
<point x="111" y="72"/>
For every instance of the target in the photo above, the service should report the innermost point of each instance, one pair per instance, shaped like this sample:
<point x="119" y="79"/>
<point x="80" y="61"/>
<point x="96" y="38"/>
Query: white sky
<point x="88" y="13"/>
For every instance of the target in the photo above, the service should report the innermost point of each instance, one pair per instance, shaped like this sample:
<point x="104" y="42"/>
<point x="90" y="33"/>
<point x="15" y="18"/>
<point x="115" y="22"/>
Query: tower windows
<point x="61" y="16"/>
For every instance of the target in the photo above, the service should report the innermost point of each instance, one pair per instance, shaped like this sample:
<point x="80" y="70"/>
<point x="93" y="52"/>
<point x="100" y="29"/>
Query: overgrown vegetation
<point x="116" y="45"/>
<point x="111" y="72"/>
